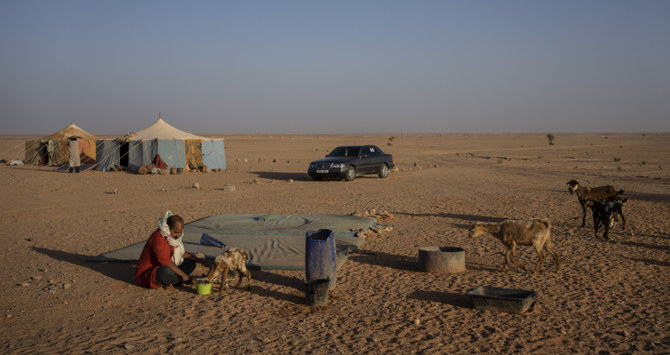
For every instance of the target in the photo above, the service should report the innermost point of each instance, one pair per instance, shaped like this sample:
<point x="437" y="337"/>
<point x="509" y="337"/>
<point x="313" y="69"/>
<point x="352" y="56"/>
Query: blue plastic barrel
<point x="320" y="256"/>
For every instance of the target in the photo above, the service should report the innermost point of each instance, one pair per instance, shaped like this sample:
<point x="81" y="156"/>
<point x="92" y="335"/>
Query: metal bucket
<point x="316" y="292"/>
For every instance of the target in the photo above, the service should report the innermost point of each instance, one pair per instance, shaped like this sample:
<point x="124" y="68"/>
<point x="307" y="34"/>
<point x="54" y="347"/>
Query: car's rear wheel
<point x="351" y="174"/>
<point x="384" y="171"/>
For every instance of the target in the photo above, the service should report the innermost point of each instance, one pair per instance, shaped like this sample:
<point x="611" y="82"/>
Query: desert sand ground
<point x="610" y="296"/>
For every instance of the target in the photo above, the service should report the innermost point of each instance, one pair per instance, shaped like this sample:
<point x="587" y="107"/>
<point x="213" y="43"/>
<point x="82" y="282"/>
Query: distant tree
<point x="550" y="137"/>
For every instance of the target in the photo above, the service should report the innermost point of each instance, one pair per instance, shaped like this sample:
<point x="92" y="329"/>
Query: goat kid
<point x="535" y="232"/>
<point x="587" y="193"/>
<point x="234" y="259"/>
<point x="605" y="212"/>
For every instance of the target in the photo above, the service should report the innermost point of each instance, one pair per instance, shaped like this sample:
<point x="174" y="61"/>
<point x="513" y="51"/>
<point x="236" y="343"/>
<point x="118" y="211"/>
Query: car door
<point x="367" y="160"/>
<point x="376" y="159"/>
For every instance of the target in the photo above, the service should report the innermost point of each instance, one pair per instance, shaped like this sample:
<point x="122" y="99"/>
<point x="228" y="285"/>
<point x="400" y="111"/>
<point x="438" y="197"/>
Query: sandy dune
<point x="610" y="296"/>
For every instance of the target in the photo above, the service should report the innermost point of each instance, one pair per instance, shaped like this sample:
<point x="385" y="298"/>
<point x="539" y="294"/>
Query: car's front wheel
<point x="351" y="174"/>
<point x="384" y="171"/>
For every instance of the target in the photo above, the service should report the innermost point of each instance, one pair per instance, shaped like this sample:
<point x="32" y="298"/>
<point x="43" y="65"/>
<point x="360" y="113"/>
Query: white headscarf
<point x="176" y="242"/>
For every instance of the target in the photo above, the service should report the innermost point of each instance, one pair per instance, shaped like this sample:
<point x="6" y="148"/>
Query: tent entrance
<point x="123" y="151"/>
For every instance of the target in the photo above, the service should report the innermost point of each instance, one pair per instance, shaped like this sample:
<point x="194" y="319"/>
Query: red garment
<point x="160" y="164"/>
<point x="156" y="253"/>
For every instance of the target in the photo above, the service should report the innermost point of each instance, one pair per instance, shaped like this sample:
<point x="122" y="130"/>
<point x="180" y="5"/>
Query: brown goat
<point x="586" y="193"/>
<point x="233" y="259"/>
<point x="535" y="232"/>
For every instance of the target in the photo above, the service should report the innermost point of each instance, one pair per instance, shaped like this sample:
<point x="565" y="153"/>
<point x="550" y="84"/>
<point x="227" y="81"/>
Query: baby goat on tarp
<point x="605" y="212"/>
<point x="588" y="193"/>
<point x="234" y="259"/>
<point x="535" y="232"/>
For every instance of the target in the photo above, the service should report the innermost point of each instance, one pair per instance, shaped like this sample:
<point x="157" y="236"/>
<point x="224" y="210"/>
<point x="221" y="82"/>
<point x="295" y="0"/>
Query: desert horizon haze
<point x="305" y="67"/>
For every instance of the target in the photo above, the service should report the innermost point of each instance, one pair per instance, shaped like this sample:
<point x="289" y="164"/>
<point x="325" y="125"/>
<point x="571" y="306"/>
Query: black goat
<point x="587" y="193"/>
<point x="605" y="211"/>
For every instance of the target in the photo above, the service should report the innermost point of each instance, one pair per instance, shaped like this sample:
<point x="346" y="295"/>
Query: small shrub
<point x="644" y="162"/>
<point x="550" y="137"/>
<point x="617" y="159"/>
<point x="619" y="168"/>
<point x="500" y="161"/>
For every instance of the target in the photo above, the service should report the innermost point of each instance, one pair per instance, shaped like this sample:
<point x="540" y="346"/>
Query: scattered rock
<point x="290" y="180"/>
<point x="417" y="321"/>
<point x="381" y="216"/>
<point x="196" y="186"/>
<point x="228" y="187"/>
<point x="128" y="346"/>
<point x="255" y="181"/>
<point x="115" y="192"/>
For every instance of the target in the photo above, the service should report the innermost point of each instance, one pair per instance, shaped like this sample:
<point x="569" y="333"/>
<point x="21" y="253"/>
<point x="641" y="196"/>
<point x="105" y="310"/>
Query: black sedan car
<point x="350" y="161"/>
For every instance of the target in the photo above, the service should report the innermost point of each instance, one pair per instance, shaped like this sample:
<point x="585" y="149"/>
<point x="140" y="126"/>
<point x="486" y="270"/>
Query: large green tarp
<point x="274" y="242"/>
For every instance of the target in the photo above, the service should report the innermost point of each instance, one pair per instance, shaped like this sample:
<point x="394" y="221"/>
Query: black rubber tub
<point x="502" y="299"/>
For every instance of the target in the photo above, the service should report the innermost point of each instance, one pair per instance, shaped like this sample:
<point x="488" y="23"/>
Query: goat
<point x="535" y="232"/>
<point x="586" y="193"/>
<point x="232" y="259"/>
<point x="605" y="212"/>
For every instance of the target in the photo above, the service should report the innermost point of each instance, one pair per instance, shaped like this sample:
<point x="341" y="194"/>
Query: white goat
<point x="233" y="259"/>
<point x="535" y="232"/>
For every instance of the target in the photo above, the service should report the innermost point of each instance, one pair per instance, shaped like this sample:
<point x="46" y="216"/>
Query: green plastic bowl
<point x="203" y="288"/>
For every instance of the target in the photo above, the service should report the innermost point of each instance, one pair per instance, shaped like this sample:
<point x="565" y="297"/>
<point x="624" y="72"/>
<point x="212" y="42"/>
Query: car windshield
<point x="345" y="152"/>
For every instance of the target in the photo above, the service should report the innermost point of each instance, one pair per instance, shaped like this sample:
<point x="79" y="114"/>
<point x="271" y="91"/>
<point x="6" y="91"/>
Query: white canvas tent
<point x="176" y="148"/>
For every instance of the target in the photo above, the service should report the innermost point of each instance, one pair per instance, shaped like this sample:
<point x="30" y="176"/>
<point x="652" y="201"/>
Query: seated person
<point x="164" y="261"/>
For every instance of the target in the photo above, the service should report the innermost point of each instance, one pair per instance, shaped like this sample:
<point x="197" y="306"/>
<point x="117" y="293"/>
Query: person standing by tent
<point x="164" y="261"/>
<point x="73" y="157"/>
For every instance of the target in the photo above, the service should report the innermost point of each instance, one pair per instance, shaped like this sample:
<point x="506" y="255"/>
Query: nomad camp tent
<point x="53" y="149"/>
<point x="161" y="141"/>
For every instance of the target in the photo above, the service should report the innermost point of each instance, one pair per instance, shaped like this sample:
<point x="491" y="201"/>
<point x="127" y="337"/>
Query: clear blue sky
<point x="336" y="66"/>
